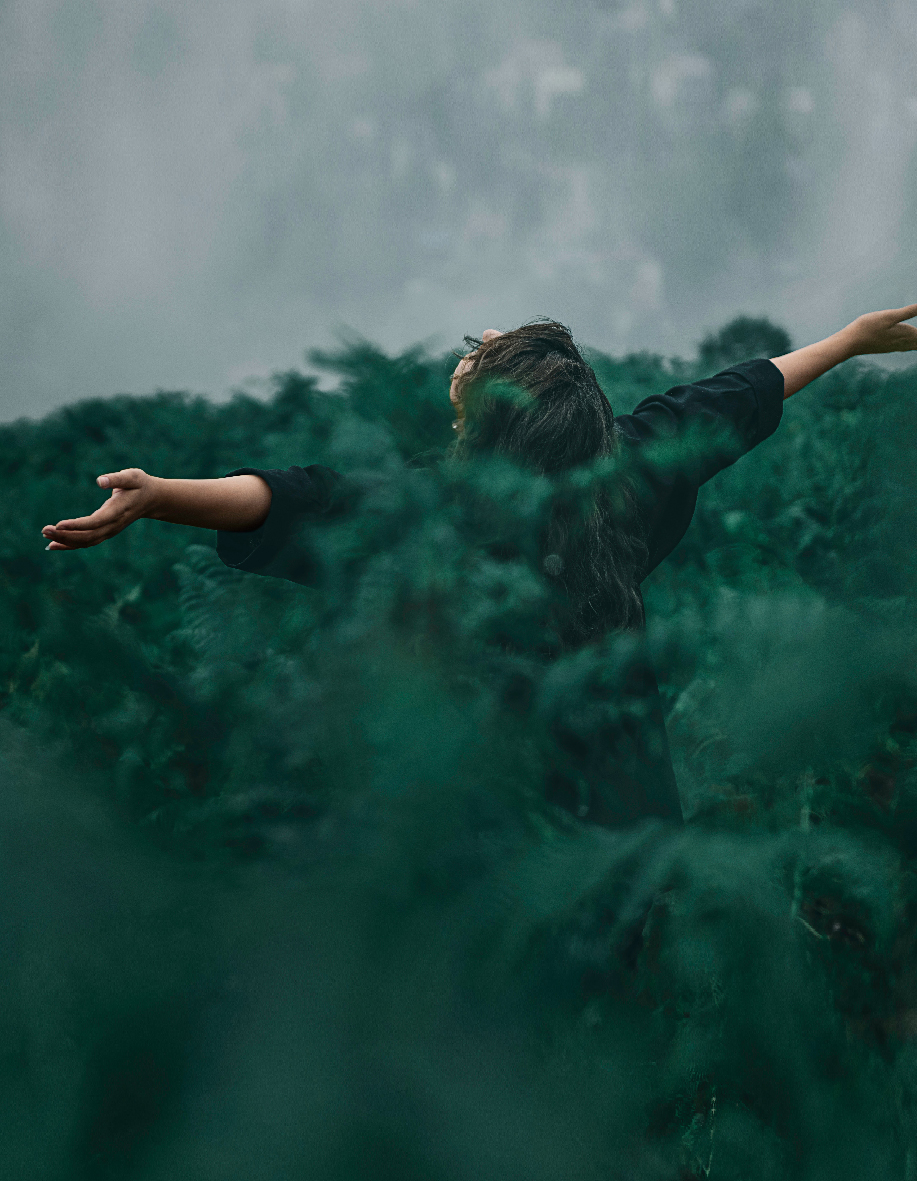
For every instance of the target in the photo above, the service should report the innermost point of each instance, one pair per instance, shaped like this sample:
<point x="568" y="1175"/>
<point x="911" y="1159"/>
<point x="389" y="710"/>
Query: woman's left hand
<point x="132" y="497"/>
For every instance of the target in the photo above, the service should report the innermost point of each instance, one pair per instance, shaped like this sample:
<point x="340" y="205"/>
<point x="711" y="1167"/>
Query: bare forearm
<point x="234" y="503"/>
<point x="804" y="365"/>
<point x="873" y="332"/>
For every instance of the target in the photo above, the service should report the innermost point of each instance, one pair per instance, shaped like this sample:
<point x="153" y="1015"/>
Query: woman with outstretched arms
<point x="562" y="421"/>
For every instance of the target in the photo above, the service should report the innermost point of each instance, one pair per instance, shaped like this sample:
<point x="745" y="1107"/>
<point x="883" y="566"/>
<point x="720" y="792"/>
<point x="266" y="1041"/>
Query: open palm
<point x="129" y="500"/>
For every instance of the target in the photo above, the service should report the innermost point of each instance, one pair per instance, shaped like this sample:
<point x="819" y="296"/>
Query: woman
<point x="529" y="395"/>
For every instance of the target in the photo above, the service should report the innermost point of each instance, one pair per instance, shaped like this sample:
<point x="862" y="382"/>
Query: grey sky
<point x="194" y="194"/>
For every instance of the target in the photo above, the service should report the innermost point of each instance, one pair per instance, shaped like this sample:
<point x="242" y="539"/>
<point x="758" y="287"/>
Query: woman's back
<point x="601" y="526"/>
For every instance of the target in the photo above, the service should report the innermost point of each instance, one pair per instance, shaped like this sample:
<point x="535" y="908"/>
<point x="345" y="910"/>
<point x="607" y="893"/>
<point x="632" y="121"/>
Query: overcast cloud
<point x="194" y="194"/>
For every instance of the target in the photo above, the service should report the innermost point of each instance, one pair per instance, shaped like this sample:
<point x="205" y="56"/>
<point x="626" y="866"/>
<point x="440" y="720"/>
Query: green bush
<point x="284" y="897"/>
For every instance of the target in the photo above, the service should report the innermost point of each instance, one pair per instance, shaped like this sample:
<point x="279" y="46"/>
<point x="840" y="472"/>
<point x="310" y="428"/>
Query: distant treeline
<point x="281" y="896"/>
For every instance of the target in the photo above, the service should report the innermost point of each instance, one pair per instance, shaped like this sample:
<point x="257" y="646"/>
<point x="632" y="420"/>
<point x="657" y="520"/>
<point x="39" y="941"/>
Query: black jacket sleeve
<point x="682" y="438"/>
<point x="280" y="546"/>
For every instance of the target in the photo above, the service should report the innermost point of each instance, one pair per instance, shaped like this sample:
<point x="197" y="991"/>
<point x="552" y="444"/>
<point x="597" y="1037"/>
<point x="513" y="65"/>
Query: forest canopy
<point x="281" y="897"/>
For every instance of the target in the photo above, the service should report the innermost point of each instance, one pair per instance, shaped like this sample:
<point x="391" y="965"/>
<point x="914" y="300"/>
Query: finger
<point x="76" y="530"/>
<point x="110" y="512"/>
<point x="906" y="313"/>
<point x="128" y="477"/>
<point x="80" y="523"/>
<point x="72" y="531"/>
<point x="74" y="540"/>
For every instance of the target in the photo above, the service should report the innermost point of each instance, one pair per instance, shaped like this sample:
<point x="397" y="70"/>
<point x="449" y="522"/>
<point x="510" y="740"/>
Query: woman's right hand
<point x="132" y="497"/>
<point x="883" y="332"/>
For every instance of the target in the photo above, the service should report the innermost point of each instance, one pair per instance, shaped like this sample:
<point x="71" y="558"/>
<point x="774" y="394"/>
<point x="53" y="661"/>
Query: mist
<point x="192" y="196"/>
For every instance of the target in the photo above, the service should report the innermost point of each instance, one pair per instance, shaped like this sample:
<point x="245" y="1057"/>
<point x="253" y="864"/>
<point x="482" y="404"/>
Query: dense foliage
<point x="283" y="898"/>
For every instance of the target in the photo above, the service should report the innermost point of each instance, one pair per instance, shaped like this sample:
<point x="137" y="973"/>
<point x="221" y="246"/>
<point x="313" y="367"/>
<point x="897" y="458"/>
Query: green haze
<point x="283" y="898"/>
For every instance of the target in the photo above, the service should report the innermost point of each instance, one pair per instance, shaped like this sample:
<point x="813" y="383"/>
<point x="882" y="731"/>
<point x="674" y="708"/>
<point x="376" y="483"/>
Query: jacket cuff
<point x="253" y="548"/>
<point x="767" y="382"/>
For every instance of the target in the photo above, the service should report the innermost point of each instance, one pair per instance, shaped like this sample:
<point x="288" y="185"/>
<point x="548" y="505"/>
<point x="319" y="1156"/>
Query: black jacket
<point x="678" y="440"/>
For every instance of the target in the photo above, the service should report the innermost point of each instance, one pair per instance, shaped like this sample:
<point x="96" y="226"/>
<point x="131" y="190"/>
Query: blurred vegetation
<point x="283" y="898"/>
<point x="744" y="337"/>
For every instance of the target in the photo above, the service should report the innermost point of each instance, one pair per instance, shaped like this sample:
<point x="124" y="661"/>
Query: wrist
<point x="154" y="501"/>
<point x="848" y="342"/>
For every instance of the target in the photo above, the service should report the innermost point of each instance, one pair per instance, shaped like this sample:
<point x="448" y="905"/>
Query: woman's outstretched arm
<point x="233" y="503"/>
<point x="876" y="332"/>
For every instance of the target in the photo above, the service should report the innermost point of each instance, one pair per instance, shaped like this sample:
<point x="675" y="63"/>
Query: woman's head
<point x="530" y="396"/>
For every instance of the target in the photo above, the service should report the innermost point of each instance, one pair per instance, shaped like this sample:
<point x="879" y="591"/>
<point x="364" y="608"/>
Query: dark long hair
<point x="562" y="421"/>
